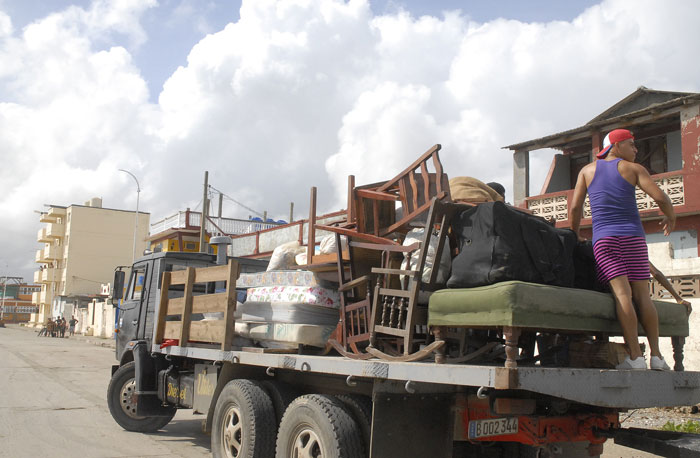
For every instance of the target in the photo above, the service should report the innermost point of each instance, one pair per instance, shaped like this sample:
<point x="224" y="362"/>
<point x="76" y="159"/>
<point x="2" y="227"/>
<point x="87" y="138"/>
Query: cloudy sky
<point x="272" y="97"/>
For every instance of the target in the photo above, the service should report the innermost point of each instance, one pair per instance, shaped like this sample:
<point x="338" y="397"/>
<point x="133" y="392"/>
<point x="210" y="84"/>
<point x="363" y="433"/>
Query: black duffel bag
<point x="499" y="243"/>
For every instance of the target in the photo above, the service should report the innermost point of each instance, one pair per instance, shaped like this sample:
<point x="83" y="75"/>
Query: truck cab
<point x="137" y="307"/>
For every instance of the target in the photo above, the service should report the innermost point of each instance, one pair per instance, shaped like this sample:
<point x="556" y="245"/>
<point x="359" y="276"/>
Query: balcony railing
<point x="41" y="236"/>
<point x="48" y="275"/>
<point x="555" y="206"/>
<point x="45" y="297"/>
<point x="36" y="297"/>
<point x="214" y="226"/>
<point x="53" y="252"/>
<point x="39" y="257"/>
<point x="37" y="276"/>
<point x="55" y="230"/>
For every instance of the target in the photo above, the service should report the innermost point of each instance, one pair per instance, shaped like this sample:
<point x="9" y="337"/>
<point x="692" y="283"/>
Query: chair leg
<point x="678" y="343"/>
<point x="511" y="335"/>
<point x="439" y="333"/>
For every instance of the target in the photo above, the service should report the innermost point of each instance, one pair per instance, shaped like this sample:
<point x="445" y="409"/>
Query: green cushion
<point x="541" y="307"/>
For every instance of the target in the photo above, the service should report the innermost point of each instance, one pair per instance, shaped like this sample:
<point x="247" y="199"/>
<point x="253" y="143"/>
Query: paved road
<point x="53" y="403"/>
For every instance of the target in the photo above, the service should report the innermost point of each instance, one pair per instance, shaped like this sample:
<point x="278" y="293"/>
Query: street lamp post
<point x="136" y="224"/>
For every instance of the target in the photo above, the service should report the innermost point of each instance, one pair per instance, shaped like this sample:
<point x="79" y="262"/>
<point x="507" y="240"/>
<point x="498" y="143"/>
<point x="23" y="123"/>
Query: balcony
<point x="55" y="230"/>
<point x="36" y="297"/>
<point x="40" y="256"/>
<point x="48" y="275"/>
<point x="52" y="215"/>
<point x="555" y="206"/>
<point x="41" y="236"/>
<point x="45" y="297"/>
<point x="37" y="276"/>
<point x="53" y="252"/>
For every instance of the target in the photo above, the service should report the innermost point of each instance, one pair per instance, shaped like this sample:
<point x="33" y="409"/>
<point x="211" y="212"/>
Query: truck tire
<point x="123" y="407"/>
<point x="281" y="394"/>
<point x="360" y="407"/>
<point x="317" y="425"/>
<point x="244" y="422"/>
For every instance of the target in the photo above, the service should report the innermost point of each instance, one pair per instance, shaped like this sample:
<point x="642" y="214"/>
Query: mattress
<point x="541" y="307"/>
<point x="281" y="278"/>
<point x="314" y="295"/>
<point x="286" y="312"/>
<point x="286" y="333"/>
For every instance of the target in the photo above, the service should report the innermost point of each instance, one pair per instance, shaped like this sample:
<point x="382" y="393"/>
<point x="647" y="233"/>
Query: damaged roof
<point x="642" y="105"/>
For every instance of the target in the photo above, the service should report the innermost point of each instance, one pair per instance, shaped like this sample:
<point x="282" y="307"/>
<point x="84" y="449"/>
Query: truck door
<point x="132" y="304"/>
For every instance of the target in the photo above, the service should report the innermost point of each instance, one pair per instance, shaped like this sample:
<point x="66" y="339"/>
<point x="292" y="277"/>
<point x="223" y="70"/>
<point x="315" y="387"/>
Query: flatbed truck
<point x="260" y="404"/>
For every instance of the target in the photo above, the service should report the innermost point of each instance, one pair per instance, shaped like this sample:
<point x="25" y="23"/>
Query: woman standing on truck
<point x="619" y="244"/>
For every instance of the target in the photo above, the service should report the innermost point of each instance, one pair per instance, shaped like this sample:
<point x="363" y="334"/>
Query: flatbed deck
<point x="597" y="387"/>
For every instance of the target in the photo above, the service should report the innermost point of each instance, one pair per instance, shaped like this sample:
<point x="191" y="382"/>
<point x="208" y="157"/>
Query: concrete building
<point x="666" y="126"/>
<point x="16" y="301"/>
<point x="82" y="244"/>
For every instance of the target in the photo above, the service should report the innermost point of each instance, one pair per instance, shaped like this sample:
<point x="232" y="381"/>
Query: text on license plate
<point x="492" y="427"/>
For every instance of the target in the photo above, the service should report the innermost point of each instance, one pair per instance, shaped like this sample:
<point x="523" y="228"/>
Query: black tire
<point x="122" y="407"/>
<point x="281" y="394"/>
<point x="319" y="425"/>
<point x="244" y="422"/>
<point x="360" y="407"/>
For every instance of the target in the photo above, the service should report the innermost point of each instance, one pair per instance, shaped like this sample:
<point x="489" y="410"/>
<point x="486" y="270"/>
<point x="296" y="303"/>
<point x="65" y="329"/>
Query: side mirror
<point x="118" y="285"/>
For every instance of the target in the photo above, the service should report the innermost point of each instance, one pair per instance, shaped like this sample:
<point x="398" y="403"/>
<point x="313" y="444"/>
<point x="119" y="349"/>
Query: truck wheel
<point x="244" y="422"/>
<point x="122" y="405"/>
<point x="281" y="394"/>
<point x="360" y="407"/>
<point x="317" y="425"/>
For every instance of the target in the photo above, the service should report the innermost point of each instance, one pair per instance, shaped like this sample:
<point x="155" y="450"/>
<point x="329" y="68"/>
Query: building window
<point x="190" y="246"/>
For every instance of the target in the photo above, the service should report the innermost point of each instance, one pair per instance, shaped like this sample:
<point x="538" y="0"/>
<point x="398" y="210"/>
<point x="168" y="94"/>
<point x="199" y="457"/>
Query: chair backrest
<point x="374" y="205"/>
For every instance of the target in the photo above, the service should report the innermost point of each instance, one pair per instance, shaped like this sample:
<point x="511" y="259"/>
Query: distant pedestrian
<point x="71" y="327"/>
<point x="62" y="327"/>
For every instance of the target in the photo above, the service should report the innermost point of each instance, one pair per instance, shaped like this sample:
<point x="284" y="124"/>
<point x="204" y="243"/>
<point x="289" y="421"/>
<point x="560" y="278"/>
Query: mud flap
<point x="411" y="425"/>
<point x="147" y="404"/>
<point x="662" y="443"/>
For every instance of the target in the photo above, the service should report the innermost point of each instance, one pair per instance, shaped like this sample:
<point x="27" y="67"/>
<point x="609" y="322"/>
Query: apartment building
<point x="81" y="246"/>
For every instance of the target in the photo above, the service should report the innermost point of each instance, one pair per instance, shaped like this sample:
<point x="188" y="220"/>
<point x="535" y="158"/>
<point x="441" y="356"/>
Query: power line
<point x="237" y="202"/>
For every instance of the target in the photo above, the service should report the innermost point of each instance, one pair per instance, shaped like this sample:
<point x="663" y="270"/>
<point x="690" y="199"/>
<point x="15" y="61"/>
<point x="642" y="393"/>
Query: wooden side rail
<point x="185" y="330"/>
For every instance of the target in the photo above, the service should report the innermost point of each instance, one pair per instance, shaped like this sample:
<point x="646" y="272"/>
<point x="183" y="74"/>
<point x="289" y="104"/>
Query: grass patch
<point x="690" y="426"/>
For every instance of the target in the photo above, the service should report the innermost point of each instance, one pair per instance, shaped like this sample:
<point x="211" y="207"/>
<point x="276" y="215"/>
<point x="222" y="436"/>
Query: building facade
<point x="82" y="244"/>
<point x="16" y="302"/>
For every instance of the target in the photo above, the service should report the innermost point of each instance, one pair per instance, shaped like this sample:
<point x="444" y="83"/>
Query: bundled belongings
<point x="499" y="243"/>
<point x="471" y="190"/>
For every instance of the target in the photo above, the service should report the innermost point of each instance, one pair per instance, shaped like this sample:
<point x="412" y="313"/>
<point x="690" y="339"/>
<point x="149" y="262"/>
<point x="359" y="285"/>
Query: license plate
<point x="492" y="427"/>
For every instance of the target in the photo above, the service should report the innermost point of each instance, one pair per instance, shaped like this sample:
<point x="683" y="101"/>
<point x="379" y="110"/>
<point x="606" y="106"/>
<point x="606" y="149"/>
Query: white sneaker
<point x="658" y="364"/>
<point x="632" y="364"/>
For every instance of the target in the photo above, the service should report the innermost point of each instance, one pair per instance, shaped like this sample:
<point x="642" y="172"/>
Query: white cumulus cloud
<point x="298" y="93"/>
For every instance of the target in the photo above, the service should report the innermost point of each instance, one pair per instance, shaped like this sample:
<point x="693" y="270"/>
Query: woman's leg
<point x="626" y="315"/>
<point x="647" y="314"/>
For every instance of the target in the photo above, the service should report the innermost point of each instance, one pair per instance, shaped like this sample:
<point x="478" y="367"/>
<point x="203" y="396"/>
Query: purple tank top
<point x="613" y="204"/>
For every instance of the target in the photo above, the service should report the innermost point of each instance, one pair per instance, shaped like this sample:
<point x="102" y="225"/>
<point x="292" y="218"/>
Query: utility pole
<point x="205" y="207"/>
<point x="291" y="212"/>
<point x="221" y="207"/>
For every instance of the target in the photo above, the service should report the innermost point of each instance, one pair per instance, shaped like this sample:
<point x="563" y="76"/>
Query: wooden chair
<point x="374" y="205"/>
<point x="396" y="312"/>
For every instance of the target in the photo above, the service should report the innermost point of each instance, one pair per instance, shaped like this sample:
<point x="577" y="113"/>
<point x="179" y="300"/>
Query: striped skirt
<point x="621" y="255"/>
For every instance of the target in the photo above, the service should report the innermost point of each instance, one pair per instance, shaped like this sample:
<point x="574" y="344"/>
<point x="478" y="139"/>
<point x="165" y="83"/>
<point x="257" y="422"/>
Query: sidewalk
<point x="99" y="341"/>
